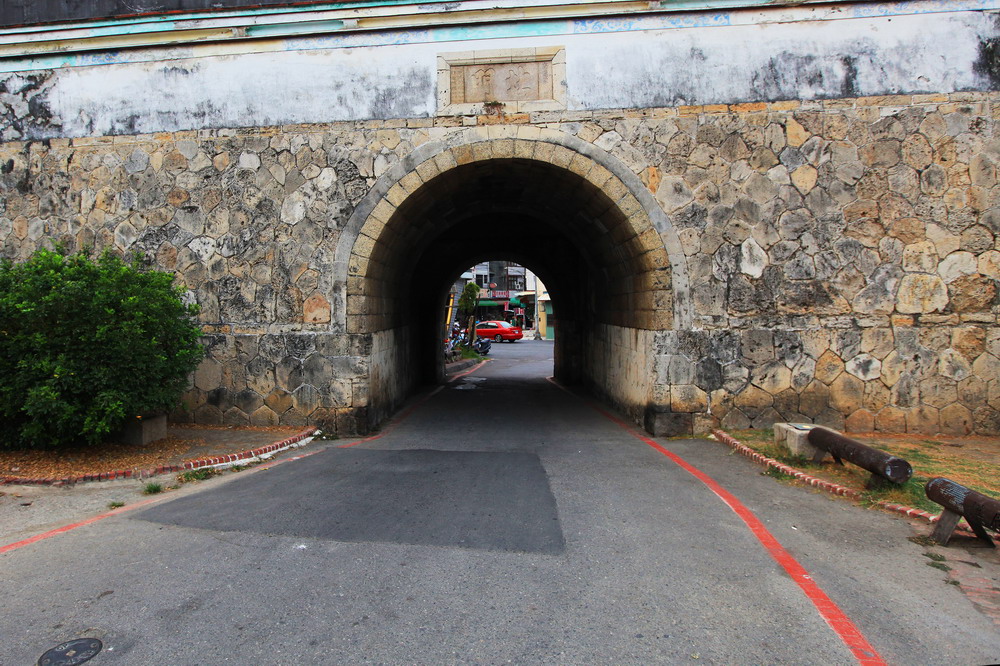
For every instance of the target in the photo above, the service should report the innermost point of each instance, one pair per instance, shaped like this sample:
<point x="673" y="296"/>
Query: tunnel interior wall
<point x="842" y="256"/>
<point x="394" y="376"/>
<point x="617" y="361"/>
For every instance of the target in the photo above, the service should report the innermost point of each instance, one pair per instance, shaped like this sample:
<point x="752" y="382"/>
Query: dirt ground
<point x="183" y="443"/>
<point x="975" y="458"/>
<point x="975" y="447"/>
<point x="973" y="461"/>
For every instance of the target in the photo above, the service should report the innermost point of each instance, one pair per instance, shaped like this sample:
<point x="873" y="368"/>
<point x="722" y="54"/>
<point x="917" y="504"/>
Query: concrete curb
<point x="163" y="469"/>
<point x="458" y="366"/>
<point x="828" y="486"/>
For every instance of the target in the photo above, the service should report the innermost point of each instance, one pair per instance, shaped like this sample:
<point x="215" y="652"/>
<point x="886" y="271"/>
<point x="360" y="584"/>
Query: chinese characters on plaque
<point x="501" y="82"/>
<point x="514" y="80"/>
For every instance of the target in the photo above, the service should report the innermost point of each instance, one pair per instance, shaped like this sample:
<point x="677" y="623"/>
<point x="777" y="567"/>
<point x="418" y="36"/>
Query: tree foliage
<point x="467" y="304"/>
<point x="469" y="299"/>
<point x="87" y="344"/>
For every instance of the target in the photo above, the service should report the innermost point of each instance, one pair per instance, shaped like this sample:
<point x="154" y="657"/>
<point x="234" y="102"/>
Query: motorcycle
<point x="482" y="346"/>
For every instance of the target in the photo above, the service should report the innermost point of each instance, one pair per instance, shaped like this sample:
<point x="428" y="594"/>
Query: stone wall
<point x="846" y="253"/>
<point x="842" y="256"/>
<point x="393" y="377"/>
<point x="621" y="358"/>
<point x="281" y="378"/>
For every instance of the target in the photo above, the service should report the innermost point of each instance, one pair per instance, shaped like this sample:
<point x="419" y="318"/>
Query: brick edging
<point x="828" y="486"/>
<point x="163" y="469"/>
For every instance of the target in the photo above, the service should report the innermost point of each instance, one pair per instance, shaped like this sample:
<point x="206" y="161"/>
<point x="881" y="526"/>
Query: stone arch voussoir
<point x="602" y="170"/>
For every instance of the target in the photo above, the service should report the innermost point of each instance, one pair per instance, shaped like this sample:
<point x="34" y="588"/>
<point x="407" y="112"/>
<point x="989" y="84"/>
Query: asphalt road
<point x="503" y="520"/>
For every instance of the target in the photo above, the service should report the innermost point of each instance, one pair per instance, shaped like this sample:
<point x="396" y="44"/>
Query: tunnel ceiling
<point x="567" y="230"/>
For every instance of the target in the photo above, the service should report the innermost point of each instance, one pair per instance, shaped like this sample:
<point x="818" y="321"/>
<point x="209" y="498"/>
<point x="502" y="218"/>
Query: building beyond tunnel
<point x="778" y="211"/>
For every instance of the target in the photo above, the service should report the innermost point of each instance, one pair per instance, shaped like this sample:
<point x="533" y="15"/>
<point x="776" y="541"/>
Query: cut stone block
<point x="142" y="431"/>
<point x="661" y="422"/>
<point x="795" y="437"/>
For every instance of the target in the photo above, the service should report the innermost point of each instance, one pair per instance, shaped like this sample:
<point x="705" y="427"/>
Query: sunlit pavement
<point x="502" y="520"/>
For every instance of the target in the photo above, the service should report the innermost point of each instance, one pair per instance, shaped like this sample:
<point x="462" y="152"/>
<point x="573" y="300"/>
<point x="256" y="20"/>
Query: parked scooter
<point x="460" y="337"/>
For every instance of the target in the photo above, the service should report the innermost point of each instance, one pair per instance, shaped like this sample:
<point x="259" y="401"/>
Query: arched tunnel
<point x="562" y="214"/>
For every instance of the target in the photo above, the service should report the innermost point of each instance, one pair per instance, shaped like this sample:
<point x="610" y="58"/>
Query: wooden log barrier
<point x="879" y="463"/>
<point x="979" y="510"/>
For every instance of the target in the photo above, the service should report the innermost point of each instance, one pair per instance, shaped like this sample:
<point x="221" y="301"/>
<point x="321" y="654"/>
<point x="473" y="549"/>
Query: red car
<point x="498" y="331"/>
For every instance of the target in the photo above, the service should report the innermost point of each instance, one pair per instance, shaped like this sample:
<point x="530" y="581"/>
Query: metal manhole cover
<point x="71" y="653"/>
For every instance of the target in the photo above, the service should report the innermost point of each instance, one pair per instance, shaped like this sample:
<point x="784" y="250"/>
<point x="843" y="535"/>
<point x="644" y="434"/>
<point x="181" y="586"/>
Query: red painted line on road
<point x="156" y="471"/>
<point x="828" y="610"/>
<point x="467" y="372"/>
<point x="72" y="526"/>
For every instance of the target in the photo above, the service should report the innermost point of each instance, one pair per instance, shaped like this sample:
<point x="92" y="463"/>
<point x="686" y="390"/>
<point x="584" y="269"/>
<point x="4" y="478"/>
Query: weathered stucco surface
<point x="776" y="61"/>
<point x="255" y="89"/>
<point x="635" y="62"/>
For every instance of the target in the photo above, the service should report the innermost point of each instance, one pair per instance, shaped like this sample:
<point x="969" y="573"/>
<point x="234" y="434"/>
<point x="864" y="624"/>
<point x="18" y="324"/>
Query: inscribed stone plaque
<point x="520" y="79"/>
<point x="501" y="82"/>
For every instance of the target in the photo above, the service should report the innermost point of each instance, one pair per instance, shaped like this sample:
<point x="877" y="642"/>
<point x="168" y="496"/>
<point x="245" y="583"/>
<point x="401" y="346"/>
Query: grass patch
<point x="968" y="461"/>
<point x="776" y="473"/>
<point x="115" y="505"/>
<point x="938" y="565"/>
<point x="152" y="488"/>
<point x="762" y="441"/>
<point x="937" y="557"/>
<point x="909" y="494"/>
<point x="197" y="474"/>
<point x="468" y="353"/>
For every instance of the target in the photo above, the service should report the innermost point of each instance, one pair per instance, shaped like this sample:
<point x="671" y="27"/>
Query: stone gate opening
<point x="538" y="202"/>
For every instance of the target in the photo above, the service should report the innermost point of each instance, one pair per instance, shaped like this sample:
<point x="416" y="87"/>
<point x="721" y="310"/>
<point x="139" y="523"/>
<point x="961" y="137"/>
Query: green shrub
<point x="86" y="345"/>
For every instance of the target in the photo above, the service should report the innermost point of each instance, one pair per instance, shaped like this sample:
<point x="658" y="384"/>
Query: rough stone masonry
<point x="834" y="258"/>
<point x="844" y="255"/>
